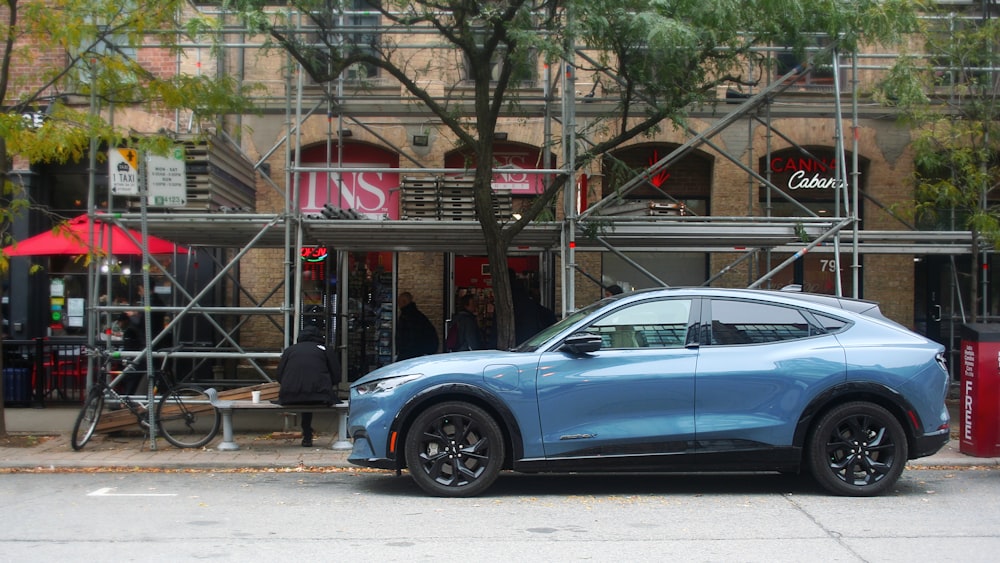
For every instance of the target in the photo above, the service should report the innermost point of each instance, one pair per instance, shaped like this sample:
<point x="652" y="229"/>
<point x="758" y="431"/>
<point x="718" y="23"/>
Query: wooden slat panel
<point x="113" y="421"/>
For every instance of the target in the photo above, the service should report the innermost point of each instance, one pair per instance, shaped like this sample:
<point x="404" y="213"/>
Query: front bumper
<point x="363" y="454"/>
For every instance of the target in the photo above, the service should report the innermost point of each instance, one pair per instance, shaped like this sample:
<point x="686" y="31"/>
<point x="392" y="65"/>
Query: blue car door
<point x="759" y="367"/>
<point x="633" y="396"/>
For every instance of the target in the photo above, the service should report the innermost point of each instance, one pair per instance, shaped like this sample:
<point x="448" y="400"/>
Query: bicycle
<point x="185" y="416"/>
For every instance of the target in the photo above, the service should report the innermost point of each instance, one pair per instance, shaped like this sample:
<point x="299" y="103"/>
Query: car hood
<point x="455" y="362"/>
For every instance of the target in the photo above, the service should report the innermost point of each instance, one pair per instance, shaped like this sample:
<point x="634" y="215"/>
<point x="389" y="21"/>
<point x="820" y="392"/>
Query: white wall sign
<point x="166" y="179"/>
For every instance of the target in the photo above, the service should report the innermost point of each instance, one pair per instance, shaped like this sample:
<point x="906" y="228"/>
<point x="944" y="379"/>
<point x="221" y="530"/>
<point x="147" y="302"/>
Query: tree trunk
<point x="496" y="248"/>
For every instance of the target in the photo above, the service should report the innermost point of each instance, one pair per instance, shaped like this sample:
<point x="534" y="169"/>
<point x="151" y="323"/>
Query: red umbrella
<point x="73" y="238"/>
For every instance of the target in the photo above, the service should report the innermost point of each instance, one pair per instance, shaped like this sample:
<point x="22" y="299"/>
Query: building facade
<point x="787" y="189"/>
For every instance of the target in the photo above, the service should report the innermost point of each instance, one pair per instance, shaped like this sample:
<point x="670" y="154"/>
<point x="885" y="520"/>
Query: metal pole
<point x="147" y="299"/>
<point x="855" y="181"/>
<point x="839" y="170"/>
<point x="569" y="165"/>
<point x="93" y="267"/>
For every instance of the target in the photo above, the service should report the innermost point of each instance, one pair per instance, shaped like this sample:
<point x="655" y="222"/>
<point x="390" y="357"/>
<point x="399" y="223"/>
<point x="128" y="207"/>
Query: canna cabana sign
<point x="806" y="173"/>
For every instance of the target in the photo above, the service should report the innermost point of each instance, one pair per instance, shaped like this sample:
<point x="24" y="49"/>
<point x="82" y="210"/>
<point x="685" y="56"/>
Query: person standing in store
<point x="157" y="319"/>
<point x="530" y="316"/>
<point x="415" y="335"/>
<point x="466" y="325"/>
<point x="308" y="372"/>
<point x="137" y="322"/>
<point x="130" y="342"/>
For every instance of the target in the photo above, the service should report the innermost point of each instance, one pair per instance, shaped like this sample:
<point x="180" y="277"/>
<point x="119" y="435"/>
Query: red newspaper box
<point x="979" y="428"/>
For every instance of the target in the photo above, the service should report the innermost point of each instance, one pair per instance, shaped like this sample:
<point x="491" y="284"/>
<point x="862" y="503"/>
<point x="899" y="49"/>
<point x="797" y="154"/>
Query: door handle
<point x="937" y="313"/>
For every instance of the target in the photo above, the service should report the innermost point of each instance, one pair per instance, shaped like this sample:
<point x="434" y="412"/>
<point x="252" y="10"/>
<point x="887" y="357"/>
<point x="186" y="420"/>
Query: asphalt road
<point x="933" y="515"/>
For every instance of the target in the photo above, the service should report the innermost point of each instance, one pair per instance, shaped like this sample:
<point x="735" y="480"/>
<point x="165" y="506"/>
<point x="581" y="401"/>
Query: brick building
<point x="290" y="252"/>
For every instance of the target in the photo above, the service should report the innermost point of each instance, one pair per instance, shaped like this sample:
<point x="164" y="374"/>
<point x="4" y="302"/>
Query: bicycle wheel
<point x="86" y="421"/>
<point x="186" y="418"/>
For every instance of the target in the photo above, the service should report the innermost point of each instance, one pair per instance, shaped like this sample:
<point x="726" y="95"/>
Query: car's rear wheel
<point x="454" y="449"/>
<point x="857" y="449"/>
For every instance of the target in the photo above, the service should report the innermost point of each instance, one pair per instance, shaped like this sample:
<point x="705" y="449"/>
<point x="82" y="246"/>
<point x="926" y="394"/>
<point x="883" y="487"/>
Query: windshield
<point x="533" y="343"/>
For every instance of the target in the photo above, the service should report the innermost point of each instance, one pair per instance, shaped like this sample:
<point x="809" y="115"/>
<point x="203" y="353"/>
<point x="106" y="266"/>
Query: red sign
<point x="781" y="164"/>
<point x="314" y="254"/>
<point x="805" y="173"/>
<point x="374" y="194"/>
<point x="515" y="159"/>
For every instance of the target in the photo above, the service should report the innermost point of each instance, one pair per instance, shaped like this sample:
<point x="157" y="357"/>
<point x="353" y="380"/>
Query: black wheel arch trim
<point x="456" y="392"/>
<point x="848" y="391"/>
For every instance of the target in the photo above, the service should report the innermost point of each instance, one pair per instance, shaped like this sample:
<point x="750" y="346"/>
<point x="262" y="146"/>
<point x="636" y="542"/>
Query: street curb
<point x="284" y="454"/>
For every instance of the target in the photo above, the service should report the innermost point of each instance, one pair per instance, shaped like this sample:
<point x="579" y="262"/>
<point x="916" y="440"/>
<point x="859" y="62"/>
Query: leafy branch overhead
<point x="949" y="99"/>
<point x="113" y="53"/>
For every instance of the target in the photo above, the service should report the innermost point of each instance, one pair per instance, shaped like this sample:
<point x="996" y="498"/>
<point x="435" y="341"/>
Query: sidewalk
<point x="264" y="445"/>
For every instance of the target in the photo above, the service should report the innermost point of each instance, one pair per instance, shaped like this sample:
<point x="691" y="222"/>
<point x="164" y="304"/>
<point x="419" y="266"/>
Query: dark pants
<point x="307" y="418"/>
<point x="307" y="425"/>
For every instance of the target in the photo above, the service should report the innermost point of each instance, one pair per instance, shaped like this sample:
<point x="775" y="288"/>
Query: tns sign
<point x="369" y="193"/>
<point x="374" y="194"/>
<point x="516" y="161"/>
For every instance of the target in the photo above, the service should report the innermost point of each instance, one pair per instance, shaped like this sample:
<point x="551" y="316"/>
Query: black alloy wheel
<point x="454" y="449"/>
<point x="857" y="449"/>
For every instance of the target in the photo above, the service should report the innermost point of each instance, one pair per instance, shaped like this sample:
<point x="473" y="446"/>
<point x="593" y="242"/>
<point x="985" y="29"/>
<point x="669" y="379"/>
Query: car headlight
<point x="384" y="385"/>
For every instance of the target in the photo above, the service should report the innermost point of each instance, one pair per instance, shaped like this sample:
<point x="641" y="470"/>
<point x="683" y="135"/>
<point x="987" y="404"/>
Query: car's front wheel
<point x="454" y="449"/>
<point x="857" y="449"/>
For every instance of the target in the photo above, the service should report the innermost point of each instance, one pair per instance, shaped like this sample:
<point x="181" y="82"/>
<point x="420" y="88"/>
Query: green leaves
<point x="121" y="53"/>
<point x="950" y="100"/>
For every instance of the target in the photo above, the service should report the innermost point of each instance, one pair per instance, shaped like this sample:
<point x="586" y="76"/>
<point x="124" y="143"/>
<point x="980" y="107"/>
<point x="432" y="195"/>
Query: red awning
<point x="73" y="238"/>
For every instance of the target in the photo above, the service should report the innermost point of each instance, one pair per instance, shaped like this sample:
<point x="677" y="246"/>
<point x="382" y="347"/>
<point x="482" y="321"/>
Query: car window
<point x="649" y="324"/>
<point x="752" y="322"/>
<point x="830" y="324"/>
<point x="537" y="340"/>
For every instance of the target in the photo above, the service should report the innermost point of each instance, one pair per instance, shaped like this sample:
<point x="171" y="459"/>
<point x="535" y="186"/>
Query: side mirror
<point x="581" y="343"/>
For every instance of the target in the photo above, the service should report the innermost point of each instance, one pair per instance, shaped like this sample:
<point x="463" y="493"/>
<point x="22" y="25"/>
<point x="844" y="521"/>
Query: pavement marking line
<point x="106" y="492"/>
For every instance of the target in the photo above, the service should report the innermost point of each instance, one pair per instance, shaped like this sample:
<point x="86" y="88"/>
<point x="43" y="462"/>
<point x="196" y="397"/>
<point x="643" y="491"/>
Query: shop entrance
<point x="472" y="275"/>
<point x="364" y="336"/>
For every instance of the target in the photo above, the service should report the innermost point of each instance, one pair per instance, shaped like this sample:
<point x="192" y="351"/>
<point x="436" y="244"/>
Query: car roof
<point x="859" y="306"/>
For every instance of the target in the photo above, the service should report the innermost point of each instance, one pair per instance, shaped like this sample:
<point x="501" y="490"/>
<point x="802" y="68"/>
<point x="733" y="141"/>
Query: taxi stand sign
<point x="123" y="171"/>
<point x="166" y="176"/>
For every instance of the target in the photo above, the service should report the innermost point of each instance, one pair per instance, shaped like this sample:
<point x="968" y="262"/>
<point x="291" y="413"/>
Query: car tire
<point x="454" y="449"/>
<point x="857" y="449"/>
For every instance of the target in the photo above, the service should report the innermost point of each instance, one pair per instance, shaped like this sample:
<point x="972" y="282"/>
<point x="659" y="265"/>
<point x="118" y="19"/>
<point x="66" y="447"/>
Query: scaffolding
<point x="227" y="237"/>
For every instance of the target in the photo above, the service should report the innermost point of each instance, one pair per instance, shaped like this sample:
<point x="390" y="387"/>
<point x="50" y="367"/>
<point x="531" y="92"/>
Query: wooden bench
<point x="226" y="407"/>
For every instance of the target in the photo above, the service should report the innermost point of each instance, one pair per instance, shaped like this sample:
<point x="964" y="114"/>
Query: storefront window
<point x="370" y="312"/>
<point x="681" y="189"/>
<point x="808" y="177"/>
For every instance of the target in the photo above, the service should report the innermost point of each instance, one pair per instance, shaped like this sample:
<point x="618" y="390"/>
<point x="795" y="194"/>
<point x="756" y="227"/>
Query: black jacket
<point x="415" y="335"/>
<point x="308" y="371"/>
<point x="469" y="335"/>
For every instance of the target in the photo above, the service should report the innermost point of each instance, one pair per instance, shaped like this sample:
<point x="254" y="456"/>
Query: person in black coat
<point x="415" y="335"/>
<point x="466" y="325"/>
<point x="308" y="372"/>
<point x="131" y="343"/>
<point x="530" y="316"/>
